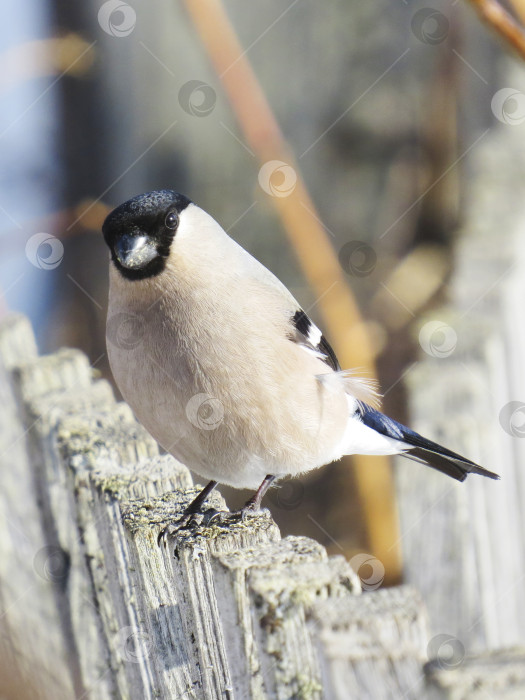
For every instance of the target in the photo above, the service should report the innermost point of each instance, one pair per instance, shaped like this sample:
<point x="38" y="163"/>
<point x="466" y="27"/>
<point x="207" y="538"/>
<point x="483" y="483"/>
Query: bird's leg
<point x="254" y="503"/>
<point x="197" y="502"/>
<point x="251" y="506"/>
<point x="190" y="511"/>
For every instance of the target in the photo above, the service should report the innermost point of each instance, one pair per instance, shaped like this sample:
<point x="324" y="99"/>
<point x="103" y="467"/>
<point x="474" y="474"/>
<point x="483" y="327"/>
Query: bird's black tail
<point x="419" y="448"/>
<point x="446" y="461"/>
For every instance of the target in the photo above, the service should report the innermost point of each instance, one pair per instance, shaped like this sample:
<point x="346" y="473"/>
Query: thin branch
<point x="519" y="8"/>
<point x="502" y="22"/>
<point x="314" y="251"/>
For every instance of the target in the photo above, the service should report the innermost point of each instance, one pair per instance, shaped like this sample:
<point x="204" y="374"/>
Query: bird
<point x="225" y="369"/>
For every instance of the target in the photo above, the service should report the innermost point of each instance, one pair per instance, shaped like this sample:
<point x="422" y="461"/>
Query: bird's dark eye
<point x="172" y="220"/>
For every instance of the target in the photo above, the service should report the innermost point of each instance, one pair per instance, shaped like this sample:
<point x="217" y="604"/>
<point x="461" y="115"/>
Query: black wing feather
<point x="311" y="337"/>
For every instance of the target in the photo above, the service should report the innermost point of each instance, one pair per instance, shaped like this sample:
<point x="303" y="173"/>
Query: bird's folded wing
<point x="306" y="333"/>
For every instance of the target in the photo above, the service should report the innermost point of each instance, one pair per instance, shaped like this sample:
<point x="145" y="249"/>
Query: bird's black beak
<point x="135" y="252"/>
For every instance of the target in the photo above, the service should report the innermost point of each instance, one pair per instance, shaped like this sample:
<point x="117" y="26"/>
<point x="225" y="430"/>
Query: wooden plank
<point x="372" y="647"/>
<point x="474" y="529"/>
<point x="49" y="388"/>
<point x="471" y="399"/>
<point x="194" y="574"/>
<point x="159" y="613"/>
<point x="266" y="596"/>
<point x="17" y="341"/>
<point x="34" y="660"/>
<point x="226" y="610"/>
<point x="81" y="439"/>
<point x="496" y="674"/>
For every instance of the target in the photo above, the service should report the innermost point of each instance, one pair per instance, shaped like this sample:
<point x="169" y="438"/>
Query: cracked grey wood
<point x="229" y="610"/>
<point x="476" y="530"/>
<point x="372" y="647"/>
<point x="33" y="651"/>
<point x="499" y="674"/>
<point x="103" y="478"/>
<point x="53" y="387"/>
<point x="87" y="442"/>
<point x="267" y="593"/>
<point x="92" y="462"/>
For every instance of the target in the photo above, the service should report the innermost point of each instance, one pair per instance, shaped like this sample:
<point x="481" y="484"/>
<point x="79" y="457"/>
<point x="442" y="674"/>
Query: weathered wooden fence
<point x="469" y="393"/>
<point x="91" y="607"/>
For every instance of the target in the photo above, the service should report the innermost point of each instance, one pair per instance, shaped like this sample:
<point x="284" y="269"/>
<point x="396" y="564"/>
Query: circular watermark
<point x="133" y="645"/>
<point x="512" y="418"/>
<point x="205" y="411"/>
<point x="51" y="564"/>
<point x="289" y="494"/>
<point x="125" y="330"/>
<point x="430" y="26"/>
<point x="117" y="18"/>
<point x="508" y="106"/>
<point x="445" y="651"/>
<point x="370" y="570"/>
<point x="197" y="98"/>
<point x="357" y="258"/>
<point x="438" y="339"/>
<point x="44" y="251"/>
<point x="277" y="178"/>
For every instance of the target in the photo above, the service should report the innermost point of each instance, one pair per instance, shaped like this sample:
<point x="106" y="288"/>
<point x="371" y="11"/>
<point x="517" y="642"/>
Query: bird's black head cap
<point x="139" y="232"/>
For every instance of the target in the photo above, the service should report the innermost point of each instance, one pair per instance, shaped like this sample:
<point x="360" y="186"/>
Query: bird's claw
<point x="221" y="517"/>
<point x="209" y="517"/>
<point x="190" y="521"/>
<point x="224" y="516"/>
<point x="187" y="521"/>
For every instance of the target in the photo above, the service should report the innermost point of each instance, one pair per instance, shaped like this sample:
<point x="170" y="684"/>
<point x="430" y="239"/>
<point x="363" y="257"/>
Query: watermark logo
<point x="438" y="339"/>
<point x="125" y="330"/>
<point x="357" y="258"/>
<point x="430" y="26"/>
<point x="277" y="178"/>
<point x="446" y="651"/>
<point x="133" y="645"/>
<point x="508" y="106"/>
<point x="117" y="18"/>
<point x="512" y="418"/>
<point x="205" y="411"/>
<point x="370" y="570"/>
<point x="44" y="251"/>
<point x="289" y="494"/>
<point x="197" y="98"/>
<point x="51" y="564"/>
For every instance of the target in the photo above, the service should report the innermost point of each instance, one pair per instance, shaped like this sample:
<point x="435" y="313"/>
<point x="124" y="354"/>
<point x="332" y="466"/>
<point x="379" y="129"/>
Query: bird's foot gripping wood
<point x="194" y="517"/>
<point x="191" y="517"/>
<point x="250" y="508"/>
<point x="225" y="517"/>
<point x="208" y="518"/>
<point x="187" y="521"/>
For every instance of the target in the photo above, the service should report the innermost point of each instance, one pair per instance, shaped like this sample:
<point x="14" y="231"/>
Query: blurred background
<point x="340" y="143"/>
